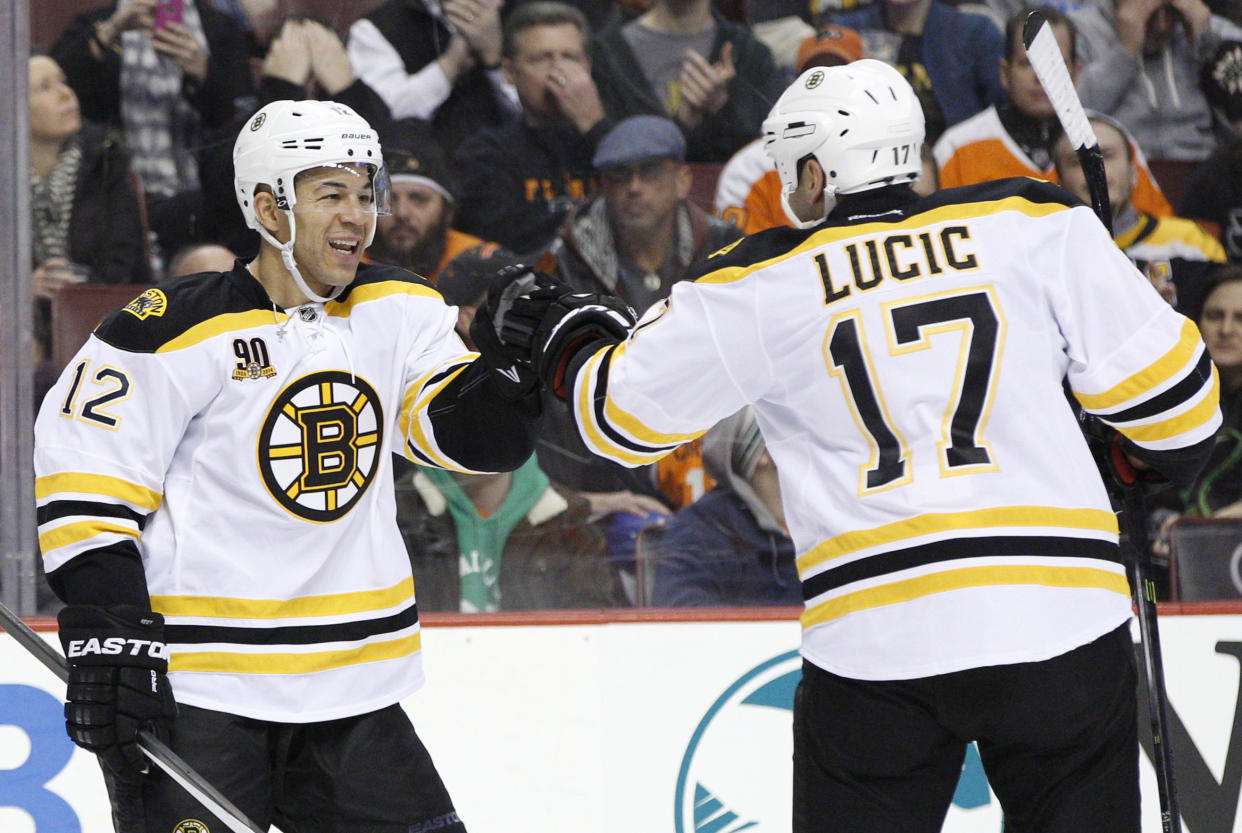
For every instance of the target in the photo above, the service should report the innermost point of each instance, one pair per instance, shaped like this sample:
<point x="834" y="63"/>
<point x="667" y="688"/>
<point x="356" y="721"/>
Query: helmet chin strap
<point x="286" y="255"/>
<point x="830" y="200"/>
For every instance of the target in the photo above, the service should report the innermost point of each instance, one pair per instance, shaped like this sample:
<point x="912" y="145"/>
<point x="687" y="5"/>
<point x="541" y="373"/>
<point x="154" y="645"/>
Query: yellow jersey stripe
<point x="944" y="214"/>
<point x="1054" y="517"/>
<point x="97" y="484"/>
<point x="1183" y="423"/>
<point x="984" y="576"/>
<point x="332" y="604"/>
<point x="229" y="662"/>
<point x="227" y="324"/>
<point x="416" y="433"/>
<point x="375" y="291"/>
<point x="63" y="536"/>
<point x="631" y="425"/>
<point x="586" y="417"/>
<point x="1150" y="377"/>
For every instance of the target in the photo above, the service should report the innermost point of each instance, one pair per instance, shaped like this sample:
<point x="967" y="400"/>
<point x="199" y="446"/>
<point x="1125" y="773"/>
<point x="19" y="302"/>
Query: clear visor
<point x="358" y="185"/>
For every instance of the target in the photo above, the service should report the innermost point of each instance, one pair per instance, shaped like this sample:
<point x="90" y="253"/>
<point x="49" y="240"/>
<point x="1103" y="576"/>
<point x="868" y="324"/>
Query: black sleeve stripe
<point x="1182" y="392"/>
<point x="601" y="389"/>
<point x="420" y="456"/>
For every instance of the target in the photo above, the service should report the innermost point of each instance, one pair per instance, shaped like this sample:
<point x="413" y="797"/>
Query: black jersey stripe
<point x="1183" y="391"/>
<point x="291" y="634"/>
<point x="56" y="509"/>
<point x="890" y="562"/>
<point x="601" y="386"/>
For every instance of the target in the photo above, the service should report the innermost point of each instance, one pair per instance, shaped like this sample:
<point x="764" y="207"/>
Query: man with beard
<point x="417" y="234"/>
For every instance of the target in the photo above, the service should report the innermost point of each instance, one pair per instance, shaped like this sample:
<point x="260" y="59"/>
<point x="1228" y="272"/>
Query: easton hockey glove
<point x="118" y="684"/>
<point x="546" y="323"/>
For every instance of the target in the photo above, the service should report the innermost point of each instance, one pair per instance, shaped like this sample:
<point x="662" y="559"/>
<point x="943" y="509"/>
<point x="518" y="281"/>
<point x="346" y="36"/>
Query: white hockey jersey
<point x="247" y="454"/>
<point x="906" y="369"/>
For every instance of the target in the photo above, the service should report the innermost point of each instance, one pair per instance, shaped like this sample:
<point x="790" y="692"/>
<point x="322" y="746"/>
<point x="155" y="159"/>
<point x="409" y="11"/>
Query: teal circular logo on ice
<point x="737" y="771"/>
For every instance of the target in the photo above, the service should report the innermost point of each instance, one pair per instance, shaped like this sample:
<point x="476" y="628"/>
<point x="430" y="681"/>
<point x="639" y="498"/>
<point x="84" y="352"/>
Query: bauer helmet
<point x="861" y="121"/>
<point x="286" y="138"/>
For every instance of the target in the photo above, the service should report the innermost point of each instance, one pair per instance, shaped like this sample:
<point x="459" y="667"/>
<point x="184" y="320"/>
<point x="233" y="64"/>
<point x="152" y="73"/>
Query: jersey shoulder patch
<point x="166" y="311"/>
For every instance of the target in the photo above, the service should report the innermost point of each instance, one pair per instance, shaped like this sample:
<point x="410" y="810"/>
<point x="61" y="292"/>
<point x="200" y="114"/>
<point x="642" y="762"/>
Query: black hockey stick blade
<point x="1049" y="64"/>
<point x="151" y="746"/>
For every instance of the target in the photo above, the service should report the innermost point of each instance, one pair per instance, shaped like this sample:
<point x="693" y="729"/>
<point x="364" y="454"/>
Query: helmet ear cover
<point x="861" y="121"/>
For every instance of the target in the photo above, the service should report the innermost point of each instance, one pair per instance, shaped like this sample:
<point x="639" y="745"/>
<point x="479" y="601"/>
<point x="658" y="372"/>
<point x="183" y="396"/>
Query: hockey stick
<point x="1049" y="65"/>
<point x="151" y="746"/>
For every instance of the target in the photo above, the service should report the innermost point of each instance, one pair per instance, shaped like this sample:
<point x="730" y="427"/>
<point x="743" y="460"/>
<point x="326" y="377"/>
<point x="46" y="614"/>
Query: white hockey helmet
<point x="861" y="121"/>
<point x="287" y="137"/>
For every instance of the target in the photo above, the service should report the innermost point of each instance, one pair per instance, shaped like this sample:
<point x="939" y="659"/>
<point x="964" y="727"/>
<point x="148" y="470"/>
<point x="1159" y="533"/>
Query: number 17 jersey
<point x="906" y="365"/>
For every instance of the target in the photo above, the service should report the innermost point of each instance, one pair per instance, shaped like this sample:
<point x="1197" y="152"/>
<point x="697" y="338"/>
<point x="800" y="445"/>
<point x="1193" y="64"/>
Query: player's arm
<point x="462" y="413"/>
<point x="1135" y="363"/>
<point x="635" y="394"/>
<point x="100" y="453"/>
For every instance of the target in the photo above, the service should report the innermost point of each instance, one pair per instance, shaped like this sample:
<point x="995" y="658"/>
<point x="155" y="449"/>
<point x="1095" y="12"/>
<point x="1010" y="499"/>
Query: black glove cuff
<point x="118" y="636"/>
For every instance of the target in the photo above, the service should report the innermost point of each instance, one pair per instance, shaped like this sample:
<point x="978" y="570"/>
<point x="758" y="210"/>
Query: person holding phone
<point x="166" y="73"/>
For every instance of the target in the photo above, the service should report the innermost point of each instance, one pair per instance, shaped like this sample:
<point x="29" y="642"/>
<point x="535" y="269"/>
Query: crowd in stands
<point x="570" y="135"/>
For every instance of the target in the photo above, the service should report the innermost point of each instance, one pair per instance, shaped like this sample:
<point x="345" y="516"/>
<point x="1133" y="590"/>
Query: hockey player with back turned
<point x="214" y="482"/>
<point x="904" y="358"/>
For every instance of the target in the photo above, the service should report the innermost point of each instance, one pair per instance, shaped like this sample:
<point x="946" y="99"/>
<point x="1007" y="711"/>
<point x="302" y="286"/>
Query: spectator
<point x="519" y="180"/>
<point x="1175" y="254"/>
<point x="509" y="541"/>
<point x="169" y="89"/>
<point x="950" y="57"/>
<point x="1141" y="64"/>
<point x="684" y="60"/>
<point x="436" y="60"/>
<point x="1015" y="136"/>
<point x="637" y="237"/>
<point x="730" y="547"/>
<point x="418" y="234"/>
<point x="201" y="257"/>
<point x="1213" y="191"/>
<point x="86" y="224"/>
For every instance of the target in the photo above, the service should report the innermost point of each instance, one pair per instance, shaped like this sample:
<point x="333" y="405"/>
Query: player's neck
<point x="269" y="270"/>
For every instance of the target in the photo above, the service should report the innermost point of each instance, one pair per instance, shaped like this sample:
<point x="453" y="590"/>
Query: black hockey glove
<point x="511" y="370"/>
<point x="118" y="684"/>
<point x="546" y="323"/>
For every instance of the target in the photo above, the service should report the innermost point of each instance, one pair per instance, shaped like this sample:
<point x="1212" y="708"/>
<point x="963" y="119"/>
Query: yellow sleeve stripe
<point x="631" y="425"/>
<point x="97" y="484"/>
<point x="412" y="423"/>
<point x="1086" y="578"/>
<point x="943" y="214"/>
<point x="375" y="291"/>
<point x="594" y="437"/>
<point x="64" y="536"/>
<point x="227" y="662"/>
<point x="1155" y="374"/>
<point x="333" y="604"/>
<point x="1097" y="520"/>
<point x="1183" y="423"/>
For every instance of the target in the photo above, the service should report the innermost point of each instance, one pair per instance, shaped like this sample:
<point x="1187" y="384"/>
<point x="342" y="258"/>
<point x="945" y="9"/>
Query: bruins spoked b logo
<point x="320" y="442"/>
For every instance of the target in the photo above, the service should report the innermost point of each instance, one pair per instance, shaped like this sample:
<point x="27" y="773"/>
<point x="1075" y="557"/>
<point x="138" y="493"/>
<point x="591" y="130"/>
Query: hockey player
<point x="904" y="358"/>
<point x="215" y="498"/>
